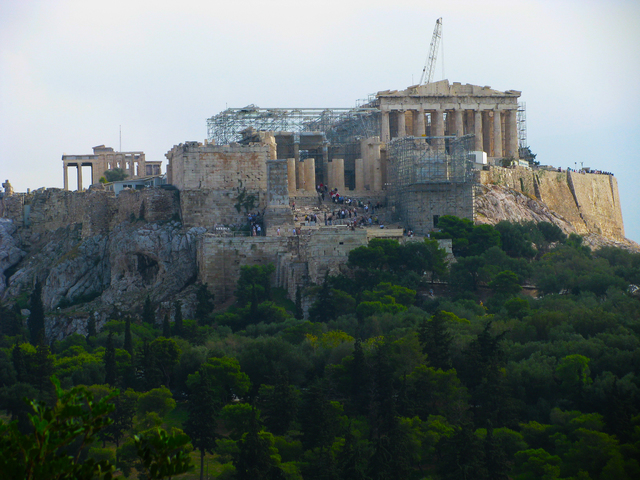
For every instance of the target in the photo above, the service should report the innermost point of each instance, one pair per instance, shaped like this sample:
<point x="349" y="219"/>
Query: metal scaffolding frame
<point x="412" y="160"/>
<point x="522" y="125"/>
<point x="338" y="124"/>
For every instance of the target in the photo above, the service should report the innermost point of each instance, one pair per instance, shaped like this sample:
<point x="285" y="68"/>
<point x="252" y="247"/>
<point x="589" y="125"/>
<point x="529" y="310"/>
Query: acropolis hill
<point x="409" y="156"/>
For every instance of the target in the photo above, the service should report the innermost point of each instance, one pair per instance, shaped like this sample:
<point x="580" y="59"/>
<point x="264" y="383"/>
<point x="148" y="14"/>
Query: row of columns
<point x="301" y="175"/>
<point x="456" y="120"/>
<point x="78" y="167"/>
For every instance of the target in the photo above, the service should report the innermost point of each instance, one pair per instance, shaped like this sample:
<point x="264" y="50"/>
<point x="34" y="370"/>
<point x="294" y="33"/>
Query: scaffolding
<point x="421" y="160"/>
<point x="522" y="126"/>
<point x="338" y="124"/>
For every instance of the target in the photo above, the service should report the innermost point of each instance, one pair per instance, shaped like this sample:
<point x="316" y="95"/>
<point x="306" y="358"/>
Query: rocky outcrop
<point x="495" y="203"/>
<point x="10" y="252"/>
<point x="119" y="268"/>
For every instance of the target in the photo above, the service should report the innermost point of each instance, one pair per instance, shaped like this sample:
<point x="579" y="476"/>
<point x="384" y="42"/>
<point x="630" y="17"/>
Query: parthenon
<point x="440" y="109"/>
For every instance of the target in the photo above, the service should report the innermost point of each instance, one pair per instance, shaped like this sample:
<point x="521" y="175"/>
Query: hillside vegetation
<point x="519" y="360"/>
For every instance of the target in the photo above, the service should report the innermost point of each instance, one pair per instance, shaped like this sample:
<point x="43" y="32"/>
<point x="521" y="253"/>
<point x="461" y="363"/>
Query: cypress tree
<point x="299" y="315"/>
<point x="36" y="318"/>
<point x="128" y="342"/>
<point x="436" y="341"/>
<point x="177" y="318"/>
<point x="17" y="358"/>
<point x="44" y="367"/>
<point x="204" y="304"/>
<point x="148" y="315"/>
<point x="91" y="327"/>
<point x="110" y="362"/>
<point x="166" y="326"/>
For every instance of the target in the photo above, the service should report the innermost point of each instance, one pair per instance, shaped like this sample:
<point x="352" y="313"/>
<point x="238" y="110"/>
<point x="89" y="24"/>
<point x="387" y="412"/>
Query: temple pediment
<point x="445" y="89"/>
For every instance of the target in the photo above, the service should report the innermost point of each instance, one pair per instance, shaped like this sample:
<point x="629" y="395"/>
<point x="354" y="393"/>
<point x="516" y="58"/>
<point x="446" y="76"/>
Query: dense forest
<point x="518" y="360"/>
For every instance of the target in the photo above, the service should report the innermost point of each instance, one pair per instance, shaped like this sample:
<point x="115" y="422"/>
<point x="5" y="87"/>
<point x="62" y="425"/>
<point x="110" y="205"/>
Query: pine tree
<point x="148" y="315"/>
<point x="254" y="457"/>
<point x="177" y="318"/>
<point x="110" y="362"/>
<point x="359" y="380"/>
<point x="128" y="342"/>
<point x="166" y="326"/>
<point x="36" y="318"/>
<point x="279" y="405"/>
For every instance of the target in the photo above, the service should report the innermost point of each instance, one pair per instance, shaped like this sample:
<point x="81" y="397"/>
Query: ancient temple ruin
<point x="105" y="158"/>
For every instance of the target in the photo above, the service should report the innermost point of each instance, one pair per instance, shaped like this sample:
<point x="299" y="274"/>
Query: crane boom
<point x="430" y="64"/>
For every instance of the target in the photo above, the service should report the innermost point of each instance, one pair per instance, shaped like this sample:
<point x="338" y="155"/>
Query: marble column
<point x="79" y="167"/>
<point x="458" y="122"/>
<point x="310" y="174"/>
<point x="338" y="174"/>
<point x="512" y="134"/>
<point x="359" y="175"/>
<point x="291" y="175"/>
<point x="402" y="124"/>
<point x="477" y="130"/>
<point x="300" y="174"/>
<point x="384" y="127"/>
<point x="65" y="171"/>
<point x="437" y="118"/>
<point x="418" y="123"/>
<point x="497" y="134"/>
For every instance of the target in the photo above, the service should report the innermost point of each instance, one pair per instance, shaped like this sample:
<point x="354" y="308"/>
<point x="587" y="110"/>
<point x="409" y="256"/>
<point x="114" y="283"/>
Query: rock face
<point x="10" y="253"/>
<point x="495" y="203"/>
<point x="119" y="268"/>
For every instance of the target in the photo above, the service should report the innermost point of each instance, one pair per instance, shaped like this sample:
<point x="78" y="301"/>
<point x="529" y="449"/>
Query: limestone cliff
<point x="117" y="262"/>
<point x="495" y="203"/>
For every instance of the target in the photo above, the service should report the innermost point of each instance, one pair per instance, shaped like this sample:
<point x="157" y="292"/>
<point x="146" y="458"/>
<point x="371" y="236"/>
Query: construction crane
<point x="430" y="64"/>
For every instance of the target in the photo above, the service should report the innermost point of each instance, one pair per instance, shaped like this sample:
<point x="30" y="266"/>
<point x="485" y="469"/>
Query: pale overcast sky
<point x="73" y="71"/>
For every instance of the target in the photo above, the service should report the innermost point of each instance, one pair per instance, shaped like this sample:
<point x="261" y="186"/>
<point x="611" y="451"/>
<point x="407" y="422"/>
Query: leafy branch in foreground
<point x="60" y="434"/>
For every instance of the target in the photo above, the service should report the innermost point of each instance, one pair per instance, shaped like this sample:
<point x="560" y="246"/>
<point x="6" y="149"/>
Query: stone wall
<point x="207" y="208"/>
<point x="218" y="167"/>
<point x="98" y="211"/>
<point x="518" y="178"/>
<point x="596" y="197"/>
<point x="421" y="203"/>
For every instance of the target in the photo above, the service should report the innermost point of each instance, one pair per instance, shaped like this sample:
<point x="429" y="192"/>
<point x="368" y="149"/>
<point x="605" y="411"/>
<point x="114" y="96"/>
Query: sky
<point x="73" y="73"/>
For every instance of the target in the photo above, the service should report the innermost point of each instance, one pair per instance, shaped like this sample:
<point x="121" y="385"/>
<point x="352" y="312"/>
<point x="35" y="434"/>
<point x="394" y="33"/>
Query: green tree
<point x="91" y="327"/>
<point x="115" y="175"/>
<point x="299" y="314"/>
<point x="166" y="354"/>
<point x="256" y="459"/>
<point x="36" y="317"/>
<point x="148" y="313"/>
<point x="435" y="339"/>
<point x="126" y="406"/>
<point x="279" y="405"/>
<point x="203" y="406"/>
<point x="177" y="318"/>
<point x="505" y="283"/>
<point x="204" y="304"/>
<point x="254" y="280"/>
<point x="60" y="435"/>
<point x="158" y="400"/>
<point x="166" y="326"/>
<point x="128" y="342"/>
<point x="163" y="455"/>
<point x="110" y="367"/>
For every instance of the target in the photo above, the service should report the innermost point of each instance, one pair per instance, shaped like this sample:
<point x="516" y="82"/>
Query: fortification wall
<point x="556" y="194"/>
<point x="597" y="199"/>
<point x="98" y="211"/>
<point x="518" y="178"/>
<point x="206" y="208"/>
<point x="218" y="167"/>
